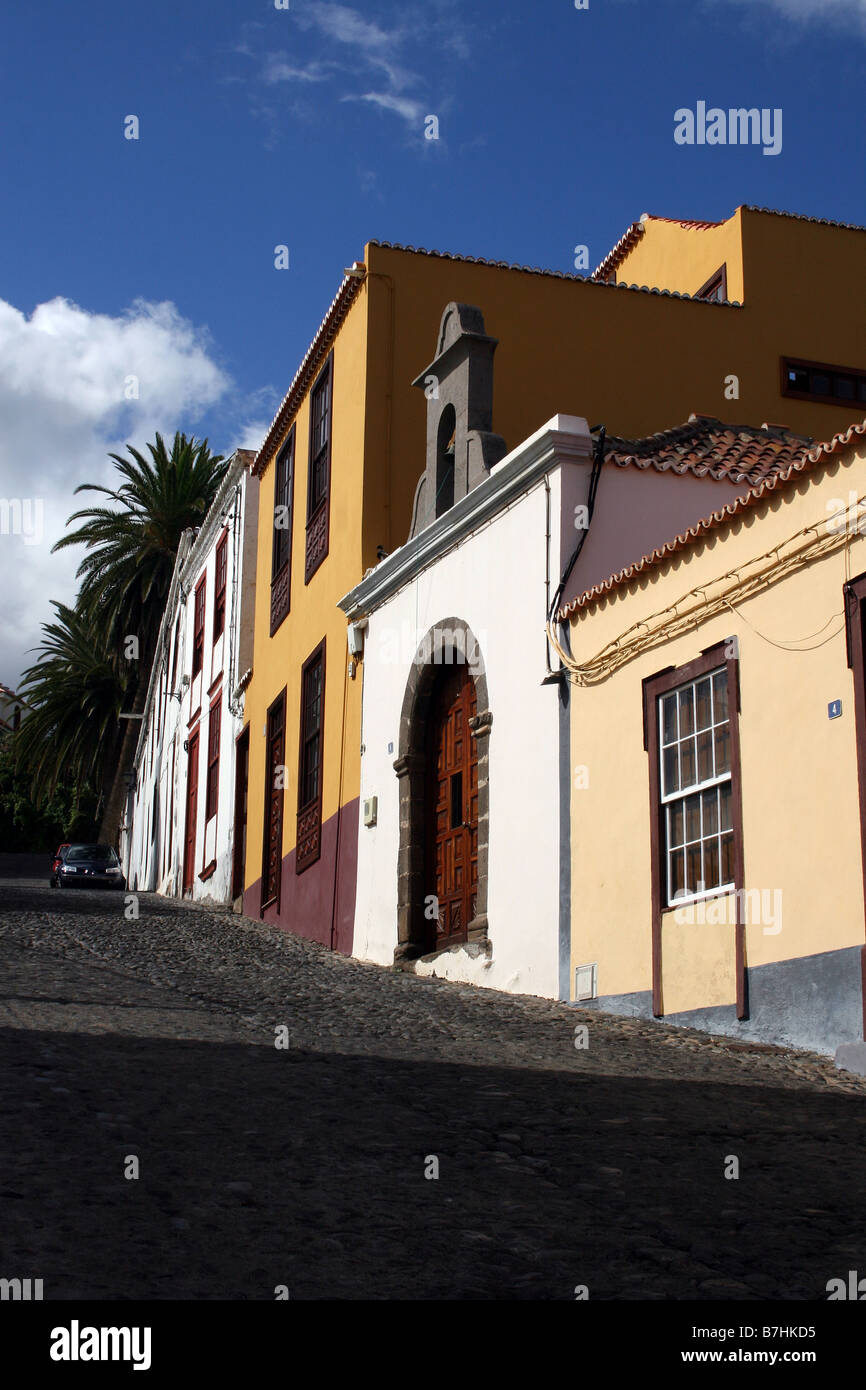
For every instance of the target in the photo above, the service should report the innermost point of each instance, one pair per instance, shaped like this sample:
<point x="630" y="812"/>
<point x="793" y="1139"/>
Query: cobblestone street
<point x="305" y="1167"/>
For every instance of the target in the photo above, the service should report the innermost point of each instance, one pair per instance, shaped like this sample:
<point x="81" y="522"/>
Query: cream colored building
<point x="718" y="748"/>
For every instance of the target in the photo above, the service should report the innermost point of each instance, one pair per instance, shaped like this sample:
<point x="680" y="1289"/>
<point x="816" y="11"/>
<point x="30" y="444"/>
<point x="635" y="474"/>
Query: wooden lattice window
<point x="309" y="832"/>
<point x="219" y="606"/>
<point x="272" y="851"/>
<point x="319" y="471"/>
<point x="281" y="554"/>
<point x="213" y="759"/>
<point x="198" y="627"/>
<point x="174" y="657"/>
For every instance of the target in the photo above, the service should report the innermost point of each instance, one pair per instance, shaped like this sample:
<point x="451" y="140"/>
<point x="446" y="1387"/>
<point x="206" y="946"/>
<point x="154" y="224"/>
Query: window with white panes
<point x="696" y="787"/>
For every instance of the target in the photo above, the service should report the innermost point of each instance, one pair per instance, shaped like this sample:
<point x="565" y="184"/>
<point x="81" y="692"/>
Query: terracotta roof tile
<point x="618" y="253"/>
<point x="614" y="258"/>
<point x="684" y="222"/>
<point x="706" y="446"/>
<point x="809" y="458"/>
<point x="802" y="217"/>
<point x="555" y="274"/>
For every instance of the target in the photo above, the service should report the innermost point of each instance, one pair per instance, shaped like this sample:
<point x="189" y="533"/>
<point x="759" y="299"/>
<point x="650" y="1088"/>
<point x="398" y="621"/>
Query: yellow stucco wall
<point x="673" y="257"/>
<point x="634" y="361"/>
<point x="637" y="362"/>
<point x="314" y="613"/>
<point x="801" y="819"/>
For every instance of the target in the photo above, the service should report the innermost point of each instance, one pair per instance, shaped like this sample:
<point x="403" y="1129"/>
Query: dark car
<point x="57" y="861"/>
<point x="88" y="866"/>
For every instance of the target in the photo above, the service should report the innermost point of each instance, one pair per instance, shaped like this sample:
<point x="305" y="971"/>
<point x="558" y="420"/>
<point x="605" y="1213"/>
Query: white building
<point x="185" y="822"/>
<point x="12" y="710"/>
<point x="465" y="770"/>
<point x="465" y="840"/>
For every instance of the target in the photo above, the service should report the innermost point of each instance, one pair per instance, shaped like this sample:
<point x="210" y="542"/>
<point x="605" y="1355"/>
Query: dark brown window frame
<point x="855" y="625"/>
<point x="193" y="745"/>
<point x="221" y="561"/>
<point x="718" y="280"/>
<point x="174" y="657"/>
<point x="273" y="900"/>
<point x="212" y="784"/>
<point x="308" y="840"/>
<point x="199" y="609"/>
<point x="711" y="659"/>
<point x="241" y="810"/>
<point x="319" y="510"/>
<point x="168" y="860"/>
<point x="826" y="368"/>
<point x="281" y="564"/>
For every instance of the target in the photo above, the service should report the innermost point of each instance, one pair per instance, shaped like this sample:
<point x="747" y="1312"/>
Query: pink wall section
<point x="637" y="510"/>
<point x="307" y="899"/>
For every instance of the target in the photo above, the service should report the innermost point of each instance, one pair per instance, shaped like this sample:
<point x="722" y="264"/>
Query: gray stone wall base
<point x="852" y="1057"/>
<point x="814" y="1002"/>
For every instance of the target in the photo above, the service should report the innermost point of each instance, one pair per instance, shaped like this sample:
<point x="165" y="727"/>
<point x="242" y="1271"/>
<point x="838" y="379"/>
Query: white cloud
<point x="347" y="26"/>
<point x="64" y="378"/>
<point x="250" y="435"/>
<point x="411" y="111"/>
<point x="361" y="54"/>
<point x="806" y="10"/>
<point x="277" y="69"/>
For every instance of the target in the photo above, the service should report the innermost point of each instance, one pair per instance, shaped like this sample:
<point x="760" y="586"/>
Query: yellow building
<point x="342" y="460"/>
<point x="718" y="735"/>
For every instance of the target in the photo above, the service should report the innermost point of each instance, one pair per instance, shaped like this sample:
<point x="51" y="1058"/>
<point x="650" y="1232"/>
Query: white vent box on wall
<point x="586" y="982"/>
<point x="371" y="807"/>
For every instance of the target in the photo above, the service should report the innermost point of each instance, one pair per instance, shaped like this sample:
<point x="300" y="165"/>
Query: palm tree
<point x="126" y="572"/>
<point x="74" y="692"/>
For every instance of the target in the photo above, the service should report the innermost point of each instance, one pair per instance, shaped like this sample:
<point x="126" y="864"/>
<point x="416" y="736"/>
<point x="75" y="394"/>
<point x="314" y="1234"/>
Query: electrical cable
<point x="815" y="541"/>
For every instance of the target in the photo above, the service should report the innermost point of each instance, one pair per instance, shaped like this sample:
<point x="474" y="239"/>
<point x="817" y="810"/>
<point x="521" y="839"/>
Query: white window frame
<point x="669" y="799"/>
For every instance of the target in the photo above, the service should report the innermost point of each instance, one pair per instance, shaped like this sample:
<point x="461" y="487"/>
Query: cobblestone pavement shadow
<point x="305" y="1167"/>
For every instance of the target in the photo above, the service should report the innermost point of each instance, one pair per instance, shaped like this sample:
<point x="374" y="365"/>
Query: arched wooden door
<point x="452" y="808"/>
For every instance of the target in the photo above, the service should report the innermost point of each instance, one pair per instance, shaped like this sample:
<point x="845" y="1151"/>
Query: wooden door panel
<point x="453" y="805"/>
<point x="191" y="814"/>
<point x="272" y="851"/>
<point x="242" y="766"/>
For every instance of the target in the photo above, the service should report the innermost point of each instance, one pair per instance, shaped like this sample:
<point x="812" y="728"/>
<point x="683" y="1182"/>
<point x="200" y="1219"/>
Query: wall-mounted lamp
<point x="355" y="634"/>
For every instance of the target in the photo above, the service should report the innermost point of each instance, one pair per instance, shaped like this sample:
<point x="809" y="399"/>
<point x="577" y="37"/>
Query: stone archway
<point x="448" y="642"/>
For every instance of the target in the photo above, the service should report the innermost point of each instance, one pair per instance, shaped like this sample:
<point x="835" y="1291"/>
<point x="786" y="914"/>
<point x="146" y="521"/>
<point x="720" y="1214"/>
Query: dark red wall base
<point x="307" y="899"/>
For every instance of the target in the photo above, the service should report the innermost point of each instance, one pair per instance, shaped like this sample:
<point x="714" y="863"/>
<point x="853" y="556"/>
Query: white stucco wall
<point x="494" y="582"/>
<point x="150" y="866"/>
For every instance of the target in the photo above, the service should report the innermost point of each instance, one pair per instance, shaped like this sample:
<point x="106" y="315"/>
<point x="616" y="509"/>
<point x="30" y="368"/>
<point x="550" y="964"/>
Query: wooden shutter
<point x="281" y="554"/>
<point x="319" y="471"/>
<point x="310" y="757"/>
<point x="273" y="827"/>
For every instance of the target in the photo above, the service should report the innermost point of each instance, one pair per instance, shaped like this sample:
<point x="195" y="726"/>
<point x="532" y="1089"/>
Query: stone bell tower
<point x="458" y="384"/>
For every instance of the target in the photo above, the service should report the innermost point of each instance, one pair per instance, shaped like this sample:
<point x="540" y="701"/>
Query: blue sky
<point x="306" y="127"/>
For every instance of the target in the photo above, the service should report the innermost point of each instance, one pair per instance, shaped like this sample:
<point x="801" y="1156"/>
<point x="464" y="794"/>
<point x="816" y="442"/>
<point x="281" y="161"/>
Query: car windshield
<point x="92" y="854"/>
